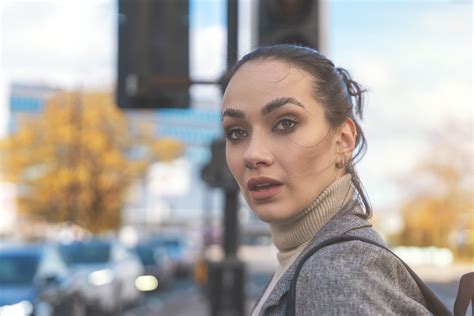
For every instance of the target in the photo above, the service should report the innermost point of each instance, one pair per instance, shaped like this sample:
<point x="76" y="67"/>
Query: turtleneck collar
<point x="289" y="235"/>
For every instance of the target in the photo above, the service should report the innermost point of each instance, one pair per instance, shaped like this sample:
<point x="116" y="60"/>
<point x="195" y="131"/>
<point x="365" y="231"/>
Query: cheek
<point x="300" y="163"/>
<point x="234" y="162"/>
<point x="307" y="162"/>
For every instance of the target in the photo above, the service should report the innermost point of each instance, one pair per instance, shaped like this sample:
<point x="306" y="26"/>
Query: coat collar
<point x="340" y="224"/>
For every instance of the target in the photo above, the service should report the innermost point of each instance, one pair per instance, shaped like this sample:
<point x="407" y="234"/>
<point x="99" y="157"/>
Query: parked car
<point x="159" y="270"/>
<point x="256" y="249"/>
<point x="34" y="281"/>
<point x="107" y="272"/>
<point x="178" y="250"/>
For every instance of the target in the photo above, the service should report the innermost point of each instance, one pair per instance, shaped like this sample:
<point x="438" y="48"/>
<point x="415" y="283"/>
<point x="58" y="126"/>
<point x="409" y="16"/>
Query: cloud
<point x="208" y="52"/>
<point x="372" y="70"/>
<point x="73" y="43"/>
<point x="417" y="83"/>
<point x="448" y="23"/>
<point x="208" y="62"/>
<point x="419" y="74"/>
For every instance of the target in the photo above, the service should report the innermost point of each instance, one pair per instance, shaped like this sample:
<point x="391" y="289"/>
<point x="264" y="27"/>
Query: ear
<point x="347" y="137"/>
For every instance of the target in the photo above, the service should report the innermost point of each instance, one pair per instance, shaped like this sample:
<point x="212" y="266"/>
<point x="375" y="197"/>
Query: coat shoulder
<point x="357" y="277"/>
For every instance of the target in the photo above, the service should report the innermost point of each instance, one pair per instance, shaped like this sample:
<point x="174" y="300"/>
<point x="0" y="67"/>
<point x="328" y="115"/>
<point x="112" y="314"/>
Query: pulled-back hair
<point x="340" y="96"/>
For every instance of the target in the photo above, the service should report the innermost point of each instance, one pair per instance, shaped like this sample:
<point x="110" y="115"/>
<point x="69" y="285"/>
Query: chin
<point x="268" y="214"/>
<point x="265" y="218"/>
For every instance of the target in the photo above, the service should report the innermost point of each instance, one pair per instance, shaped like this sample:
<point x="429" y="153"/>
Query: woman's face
<point x="280" y="147"/>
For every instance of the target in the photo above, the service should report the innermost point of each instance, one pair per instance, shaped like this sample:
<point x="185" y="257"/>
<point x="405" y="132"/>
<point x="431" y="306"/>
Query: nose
<point x="257" y="153"/>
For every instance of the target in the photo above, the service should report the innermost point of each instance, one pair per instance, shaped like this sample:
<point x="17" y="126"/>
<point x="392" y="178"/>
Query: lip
<point x="264" y="194"/>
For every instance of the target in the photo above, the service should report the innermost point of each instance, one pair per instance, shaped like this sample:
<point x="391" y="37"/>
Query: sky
<point x="414" y="57"/>
<point x="416" y="60"/>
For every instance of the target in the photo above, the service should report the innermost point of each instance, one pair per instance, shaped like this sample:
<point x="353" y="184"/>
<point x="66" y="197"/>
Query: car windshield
<point x="256" y="240"/>
<point x="172" y="243"/>
<point x="85" y="253"/>
<point x="18" y="269"/>
<point x="146" y="254"/>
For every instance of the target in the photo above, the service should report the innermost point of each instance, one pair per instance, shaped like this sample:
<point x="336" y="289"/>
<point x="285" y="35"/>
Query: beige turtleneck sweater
<point x="291" y="236"/>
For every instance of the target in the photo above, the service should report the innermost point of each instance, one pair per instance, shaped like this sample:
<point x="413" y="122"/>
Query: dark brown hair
<point x="340" y="96"/>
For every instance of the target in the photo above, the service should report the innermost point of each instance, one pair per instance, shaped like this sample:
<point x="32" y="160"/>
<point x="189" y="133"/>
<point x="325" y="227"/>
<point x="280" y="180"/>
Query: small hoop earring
<point x="341" y="164"/>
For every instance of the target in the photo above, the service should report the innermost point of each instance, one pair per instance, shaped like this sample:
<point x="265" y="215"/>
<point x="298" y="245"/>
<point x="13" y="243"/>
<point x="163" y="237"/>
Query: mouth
<point x="263" y="188"/>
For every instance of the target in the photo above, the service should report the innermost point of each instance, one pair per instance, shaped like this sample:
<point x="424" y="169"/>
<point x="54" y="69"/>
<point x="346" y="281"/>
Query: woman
<point x="290" y="119"/>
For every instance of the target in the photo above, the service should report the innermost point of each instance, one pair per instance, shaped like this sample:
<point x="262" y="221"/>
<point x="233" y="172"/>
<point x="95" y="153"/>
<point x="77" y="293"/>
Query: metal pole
<point x="231" y="224"/>
<point x="227" y="278"/>
<point x="232" y="32"/>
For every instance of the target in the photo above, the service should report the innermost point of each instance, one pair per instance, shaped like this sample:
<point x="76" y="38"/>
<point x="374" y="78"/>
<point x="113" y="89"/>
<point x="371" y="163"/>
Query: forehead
<point x="258" y="82"/>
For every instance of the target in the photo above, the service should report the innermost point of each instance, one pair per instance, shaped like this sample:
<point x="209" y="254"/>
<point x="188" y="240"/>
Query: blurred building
<point x="8" y="210"/>
<point x="21" y="102"/>
<point x="25" y="101"/>
<point x="3" y="106"/>
<point x="184" y="199"/>
<point x="173" y="193"/>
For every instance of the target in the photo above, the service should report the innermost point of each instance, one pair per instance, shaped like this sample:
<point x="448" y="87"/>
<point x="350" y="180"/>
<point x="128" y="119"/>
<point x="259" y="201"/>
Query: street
<point x="185" y="298"/>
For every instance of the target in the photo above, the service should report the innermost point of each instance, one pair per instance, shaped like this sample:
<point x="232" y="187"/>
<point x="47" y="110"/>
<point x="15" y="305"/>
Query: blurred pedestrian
<point x="291" y="119"/>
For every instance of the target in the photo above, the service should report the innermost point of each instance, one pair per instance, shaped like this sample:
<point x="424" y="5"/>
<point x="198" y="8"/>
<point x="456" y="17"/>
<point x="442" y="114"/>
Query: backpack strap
<point x="433" y="303"/>
<point x="465" y="294"/>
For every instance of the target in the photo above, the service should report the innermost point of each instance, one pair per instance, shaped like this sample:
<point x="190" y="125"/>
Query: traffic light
<point x="153" y="54"/>
<point x="216" y="173"/>
<point x="289" y="21"/>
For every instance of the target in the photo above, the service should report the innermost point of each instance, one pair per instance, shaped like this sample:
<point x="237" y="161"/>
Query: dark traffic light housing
<point x="153" y="54"/>
<point x="216" y="173"/>
<point x="289" y="21"/>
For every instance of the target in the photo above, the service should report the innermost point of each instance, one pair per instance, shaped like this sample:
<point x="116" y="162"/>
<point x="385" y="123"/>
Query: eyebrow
<point x="233" y="113"/>
<point x="278" y="103"/>
<point x="267" y="109"/>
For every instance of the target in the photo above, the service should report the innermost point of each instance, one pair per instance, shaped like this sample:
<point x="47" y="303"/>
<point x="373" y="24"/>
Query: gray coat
<point x="349" y="278"/>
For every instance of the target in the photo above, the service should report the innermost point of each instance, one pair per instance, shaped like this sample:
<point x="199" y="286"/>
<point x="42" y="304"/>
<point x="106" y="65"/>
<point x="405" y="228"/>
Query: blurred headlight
<point x="24" y="308"/>
<point x="146" y="283"/>
<point x="101" y="277"/>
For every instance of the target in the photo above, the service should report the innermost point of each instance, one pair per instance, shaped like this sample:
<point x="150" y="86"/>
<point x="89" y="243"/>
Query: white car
<point x="256" y="249"/>
<point x="105" y="272"/>
<point x="34" y="281"/>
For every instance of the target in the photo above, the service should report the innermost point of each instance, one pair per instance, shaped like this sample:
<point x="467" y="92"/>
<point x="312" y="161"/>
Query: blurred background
<point x="109" y="202"/>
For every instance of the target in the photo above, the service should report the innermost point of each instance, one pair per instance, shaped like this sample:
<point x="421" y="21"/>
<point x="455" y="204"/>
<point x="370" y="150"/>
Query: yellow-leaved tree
<point x="75" y="161"/>
<point x="439" y="210"/>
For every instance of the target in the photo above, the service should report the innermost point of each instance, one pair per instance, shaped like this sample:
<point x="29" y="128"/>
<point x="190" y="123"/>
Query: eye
<point x="285" y="125"/>
<point x="235" y="134"/>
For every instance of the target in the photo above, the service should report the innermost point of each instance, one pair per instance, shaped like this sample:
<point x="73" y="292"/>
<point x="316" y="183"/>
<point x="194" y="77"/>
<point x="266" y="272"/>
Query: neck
<point x="300" y="229"/>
